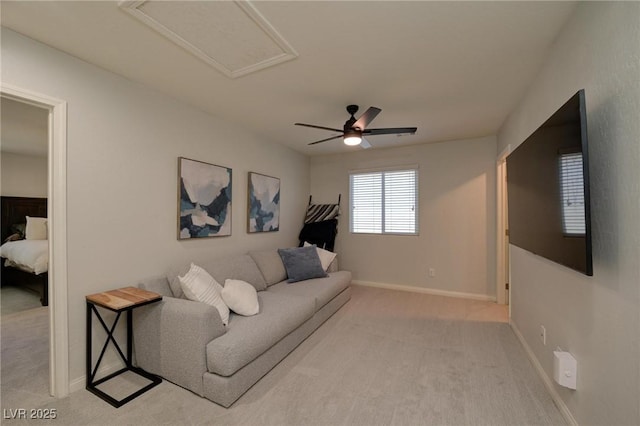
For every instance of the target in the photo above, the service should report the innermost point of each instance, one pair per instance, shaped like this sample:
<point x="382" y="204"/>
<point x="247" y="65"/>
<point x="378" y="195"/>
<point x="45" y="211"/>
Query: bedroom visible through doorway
<point x="56" y="231"/>
<point x="24" y="311"/>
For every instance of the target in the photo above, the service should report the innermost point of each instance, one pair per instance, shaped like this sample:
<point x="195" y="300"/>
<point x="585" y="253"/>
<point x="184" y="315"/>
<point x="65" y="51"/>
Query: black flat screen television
<point x="548" y="189"/>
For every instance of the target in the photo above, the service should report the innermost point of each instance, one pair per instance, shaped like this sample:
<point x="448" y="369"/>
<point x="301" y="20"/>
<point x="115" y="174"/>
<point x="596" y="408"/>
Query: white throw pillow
<point x="326" y="256"/>
<point x="241" y="297"/>
<point x="199" y="286"/>
<point x="36" y="228"/>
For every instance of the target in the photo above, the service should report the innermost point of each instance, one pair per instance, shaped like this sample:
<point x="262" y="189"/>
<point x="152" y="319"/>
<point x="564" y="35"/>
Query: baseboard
<point x="425" y="290"/>
<point x="548" y="383"/>
<point x="81" y="382"/>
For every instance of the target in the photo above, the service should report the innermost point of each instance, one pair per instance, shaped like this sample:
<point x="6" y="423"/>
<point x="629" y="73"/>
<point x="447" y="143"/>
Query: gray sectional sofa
<point x="186" y="343"/>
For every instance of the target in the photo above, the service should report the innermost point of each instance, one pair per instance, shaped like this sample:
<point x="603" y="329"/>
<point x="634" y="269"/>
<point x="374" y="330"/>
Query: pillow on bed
<point x="36" y="228"/>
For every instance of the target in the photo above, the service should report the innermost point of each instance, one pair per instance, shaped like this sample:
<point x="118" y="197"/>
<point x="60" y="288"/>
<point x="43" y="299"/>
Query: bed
<point x="24" y="261"/>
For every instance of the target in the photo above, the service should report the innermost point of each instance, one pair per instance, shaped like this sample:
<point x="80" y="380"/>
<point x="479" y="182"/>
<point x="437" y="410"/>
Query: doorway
<point x="502" y="238"/>
<point x="24" y="318"/>
<point x="58" y="380"/>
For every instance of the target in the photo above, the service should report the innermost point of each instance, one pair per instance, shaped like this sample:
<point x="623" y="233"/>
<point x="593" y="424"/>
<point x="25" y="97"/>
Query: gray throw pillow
<point x="301" y="263"/>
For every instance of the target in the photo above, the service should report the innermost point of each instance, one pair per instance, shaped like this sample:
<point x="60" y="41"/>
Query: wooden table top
<point x="123" y="298"/>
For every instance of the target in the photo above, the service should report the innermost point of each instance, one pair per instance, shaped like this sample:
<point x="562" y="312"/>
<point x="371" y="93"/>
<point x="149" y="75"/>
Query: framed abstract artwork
<point x="263" y="204"/>
<point x="204" y="199"/>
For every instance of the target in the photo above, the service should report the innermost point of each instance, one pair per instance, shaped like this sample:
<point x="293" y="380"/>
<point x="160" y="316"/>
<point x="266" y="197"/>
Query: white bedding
<point x="28" y="255"/>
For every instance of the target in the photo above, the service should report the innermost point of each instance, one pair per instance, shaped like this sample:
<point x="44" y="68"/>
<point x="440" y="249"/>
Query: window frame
<point x="382" y="172"/>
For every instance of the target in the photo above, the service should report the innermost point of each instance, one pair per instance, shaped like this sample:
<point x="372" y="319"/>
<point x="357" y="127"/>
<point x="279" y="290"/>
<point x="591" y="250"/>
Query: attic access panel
<point x="231" y="36"/>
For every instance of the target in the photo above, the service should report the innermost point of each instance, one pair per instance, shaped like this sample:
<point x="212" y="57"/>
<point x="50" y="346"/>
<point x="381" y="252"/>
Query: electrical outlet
<point x="543" y="335"/>
<point x="432" y="272"/>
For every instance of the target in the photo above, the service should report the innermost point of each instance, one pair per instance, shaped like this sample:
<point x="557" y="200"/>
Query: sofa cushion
<point x="270" y="264"/>
<point x="174" y="281"/>
<point x="248" y="337"/>
<point x="301" y="263"/>
<point x="159" y="285"/>
<point x="239" y="267"/>
<point x="321" y="289"/>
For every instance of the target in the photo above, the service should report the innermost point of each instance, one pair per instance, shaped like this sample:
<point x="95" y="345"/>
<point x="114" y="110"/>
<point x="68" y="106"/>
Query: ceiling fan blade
<point x="390" y="131"/>
<point x="367" y="118"/>
<point x="365" y="144"/>
<point x="325" y="140"/>
<point x="318" y="127"/>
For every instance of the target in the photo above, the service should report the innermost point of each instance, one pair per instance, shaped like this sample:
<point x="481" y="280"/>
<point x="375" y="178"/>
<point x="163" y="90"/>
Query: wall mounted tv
<point x="548" y="189"/>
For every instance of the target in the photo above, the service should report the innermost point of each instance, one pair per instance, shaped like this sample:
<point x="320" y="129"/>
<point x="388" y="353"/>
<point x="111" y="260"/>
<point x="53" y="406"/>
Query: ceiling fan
<point x="354" y="129"/>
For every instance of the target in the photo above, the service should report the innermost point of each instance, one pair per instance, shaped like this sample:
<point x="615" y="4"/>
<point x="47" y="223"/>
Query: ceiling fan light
<point x="352" y="137"/>
<point x="352" y="140"/>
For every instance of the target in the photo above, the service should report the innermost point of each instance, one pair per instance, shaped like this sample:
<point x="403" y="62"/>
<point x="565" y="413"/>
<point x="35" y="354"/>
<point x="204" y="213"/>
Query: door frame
<point x="57" y="228"/>
<point x="502" y="264"/>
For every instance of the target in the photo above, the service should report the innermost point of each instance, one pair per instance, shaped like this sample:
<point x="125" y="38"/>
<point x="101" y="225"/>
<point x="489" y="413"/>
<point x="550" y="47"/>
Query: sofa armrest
<point x="170" y="339"/>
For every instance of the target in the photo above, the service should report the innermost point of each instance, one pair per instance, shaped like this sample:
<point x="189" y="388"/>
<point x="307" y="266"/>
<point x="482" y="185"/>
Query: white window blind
<point x="572" y="182"/>
<point x="384" y="202"/>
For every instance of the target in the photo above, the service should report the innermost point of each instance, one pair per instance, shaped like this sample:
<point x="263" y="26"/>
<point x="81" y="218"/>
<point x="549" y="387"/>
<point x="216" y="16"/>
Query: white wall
<point x="456" y="214"/>
<point x="596" y="318"/>
<point x="123" y="145"/>
<point x="23" y="175"/>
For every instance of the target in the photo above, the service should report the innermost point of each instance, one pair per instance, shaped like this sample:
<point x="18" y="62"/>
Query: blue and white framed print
<point x="204" y="199"/>
<point x="264" y="203"/>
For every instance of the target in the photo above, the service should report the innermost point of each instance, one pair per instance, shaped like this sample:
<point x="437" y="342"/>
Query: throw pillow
<point x="241" y="297"/>
<point x="302" y="263"/>
<point x="199" y="286"/>
<point x="326" y="256"/>
<point x="36" y="228"/>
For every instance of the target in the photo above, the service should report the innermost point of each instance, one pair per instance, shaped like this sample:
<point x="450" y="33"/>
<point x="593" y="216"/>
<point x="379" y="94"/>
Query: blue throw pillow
<point x="302" y="263"/>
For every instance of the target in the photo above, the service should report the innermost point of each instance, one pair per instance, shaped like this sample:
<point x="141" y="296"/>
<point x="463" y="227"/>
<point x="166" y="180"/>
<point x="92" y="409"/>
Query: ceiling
<point x="453" y="69"/>
<point x="24" y="128"/>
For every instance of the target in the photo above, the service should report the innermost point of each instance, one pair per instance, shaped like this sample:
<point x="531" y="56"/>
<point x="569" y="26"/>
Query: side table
<point x="118" y="301"/>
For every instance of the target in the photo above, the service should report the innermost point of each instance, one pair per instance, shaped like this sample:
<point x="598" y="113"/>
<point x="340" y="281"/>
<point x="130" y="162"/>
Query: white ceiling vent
<point x="231" y="36"/>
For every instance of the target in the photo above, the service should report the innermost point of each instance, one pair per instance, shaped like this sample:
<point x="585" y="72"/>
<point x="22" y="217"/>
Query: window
<point x="384" y="202"/>
<point x="572" y="189"/>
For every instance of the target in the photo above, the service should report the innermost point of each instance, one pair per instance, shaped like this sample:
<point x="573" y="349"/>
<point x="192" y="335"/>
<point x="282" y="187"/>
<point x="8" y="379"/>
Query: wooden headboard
<point x="15" y="209"/>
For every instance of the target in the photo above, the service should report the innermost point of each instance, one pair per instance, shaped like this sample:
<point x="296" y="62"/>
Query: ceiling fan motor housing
<point x="353" y="128"/>
<point x="352" y="132"/>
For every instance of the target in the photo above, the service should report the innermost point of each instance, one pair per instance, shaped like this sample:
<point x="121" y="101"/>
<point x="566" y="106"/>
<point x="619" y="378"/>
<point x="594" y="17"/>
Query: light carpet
<point x="386" y="358"/>
<point x="24" y="344"/>
<point x="16" y="299"/>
